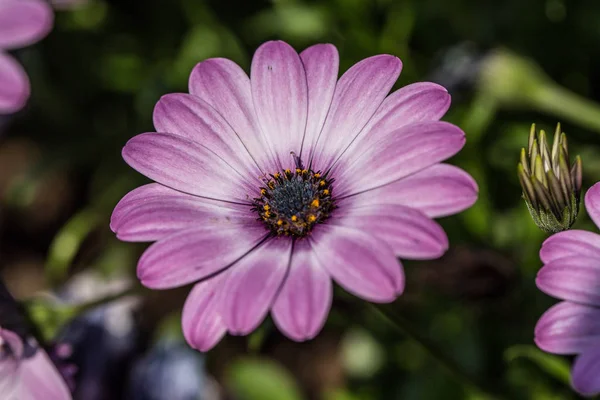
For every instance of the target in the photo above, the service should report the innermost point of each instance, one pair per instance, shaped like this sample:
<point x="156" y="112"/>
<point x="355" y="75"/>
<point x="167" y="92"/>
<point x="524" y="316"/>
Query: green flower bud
<point x="551" y="188"/>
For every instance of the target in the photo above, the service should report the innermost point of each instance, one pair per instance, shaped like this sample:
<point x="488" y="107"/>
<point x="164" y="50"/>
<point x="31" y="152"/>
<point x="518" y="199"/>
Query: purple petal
<point x="9" y="377"/>
<point x="187" y="166"/>
<point x="252" y="284"/>
<point x="409" y="232"/>
<point x="135" y="198"/>
<point x="9" y="365"/>
<point x="301" y="307"/>
<point x="14" y="85"/>
<point x="586" y="372"/>
<point x="592" y="203"/>
<point x="23" y="22"/>
<point x="226" y="87"/>
<point x="191" y="117"/>
<point x="568" y="328"/>
<point x="406" y="151"/>
<point x="40" y="379"/>
<point x="437" y="191"/>
<point x="13" y="341"/>
<point x="194" y="254"/>
<point x="361" y="263"/>
<point x="570" y="243"/>
<point x="321" y="63"/>
<point x="358" y="94"/>
<point x="280" y="95"/>
<point x="574" y="278"/>
<point x="202" y="324"/>
<point x="419" y="102"/>
<point x="153" y="211"/>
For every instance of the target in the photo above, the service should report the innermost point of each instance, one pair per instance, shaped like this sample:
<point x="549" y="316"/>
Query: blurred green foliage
<point x="97" y="77"/>
<point x="262" y="380"/>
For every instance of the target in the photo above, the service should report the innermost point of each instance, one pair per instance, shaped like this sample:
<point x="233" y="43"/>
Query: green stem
<point x="66" y="244"/>
<point x="559" y="101"/>
<point x="400" y="324"/>
<point x="476" y="121"/>
<point x="478" y="118"/>
<point x="49" y="316"/>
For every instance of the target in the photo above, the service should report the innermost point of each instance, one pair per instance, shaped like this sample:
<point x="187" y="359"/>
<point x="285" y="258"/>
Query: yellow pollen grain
<point x="298" y="170"/>
<point x="267" y="214"/>
<point x="294" y="218"/>
<point x="317" y="175"/>
<point x="279" y="222"/>
<point x="326" y="192"/>
<point x="266" y="207"/>
<point x="315" y="203"/>
<point x="271" y="184"/>
<point x="263" y="191"/>
<point x="287" y="171"/>
<point x="322" y="183"/>
<point x="277" y="175"/>
<point x="312" y="218"/>
<point x="305" y="171"/>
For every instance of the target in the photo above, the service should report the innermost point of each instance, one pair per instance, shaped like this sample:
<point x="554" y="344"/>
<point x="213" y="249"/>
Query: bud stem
<point x="561" y="102"/>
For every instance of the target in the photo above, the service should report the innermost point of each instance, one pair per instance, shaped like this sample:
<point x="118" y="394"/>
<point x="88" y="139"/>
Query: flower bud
<point x="551" y="188"/>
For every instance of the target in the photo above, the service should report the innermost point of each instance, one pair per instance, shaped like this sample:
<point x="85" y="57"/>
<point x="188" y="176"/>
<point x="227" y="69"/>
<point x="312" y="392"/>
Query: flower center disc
<point x="292" y="202"/>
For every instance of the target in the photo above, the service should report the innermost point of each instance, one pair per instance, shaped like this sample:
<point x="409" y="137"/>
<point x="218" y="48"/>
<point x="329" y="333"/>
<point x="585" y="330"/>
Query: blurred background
<point x="95" y="81"/>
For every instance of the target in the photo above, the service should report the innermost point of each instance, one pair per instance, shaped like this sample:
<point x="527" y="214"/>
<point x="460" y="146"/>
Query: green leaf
<point x="48" y="316"/>
<point x="67" y="242"/>
<point x="258" y="379"/>
<point x="554" y="366"/>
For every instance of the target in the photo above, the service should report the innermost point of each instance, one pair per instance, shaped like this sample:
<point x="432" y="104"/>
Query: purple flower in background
<point x="22" y="23"/>
<point x="26" y="371"/>
<point x="32" y="377"/>
<point x="271" y="186"/>
<point x="571" y="272"/>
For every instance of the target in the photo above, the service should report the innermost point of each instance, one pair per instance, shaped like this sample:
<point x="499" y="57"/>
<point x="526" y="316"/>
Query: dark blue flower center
<point x="293" y="202"/>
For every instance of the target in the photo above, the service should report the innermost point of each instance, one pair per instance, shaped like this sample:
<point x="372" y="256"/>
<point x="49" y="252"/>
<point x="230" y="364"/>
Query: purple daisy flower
<point x="571" y="272"/>
<point x="22" y="23"/>
<point x="26" y="370"/>
<point x="24" y="376"/>
<point x="270" y="186"/>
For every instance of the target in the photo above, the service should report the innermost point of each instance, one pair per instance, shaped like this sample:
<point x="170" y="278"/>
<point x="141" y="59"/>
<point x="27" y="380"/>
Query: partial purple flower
<point x="26" y="371"/>
<point x="34" y="377"/>
<point x="571" y="272"/>
<point x="22" y="23"/>
<point x="270" y="186"/>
